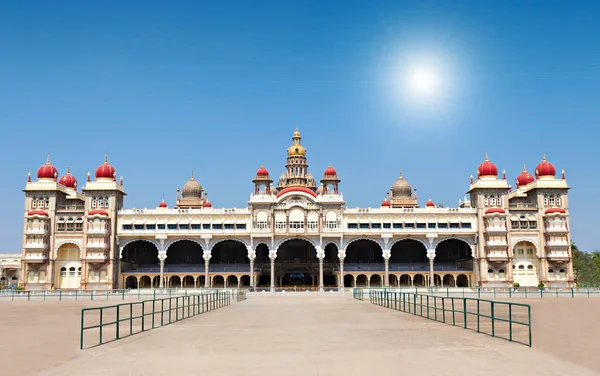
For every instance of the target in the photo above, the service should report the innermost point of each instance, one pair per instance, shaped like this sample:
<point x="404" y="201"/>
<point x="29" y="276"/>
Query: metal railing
<point x="241" y="295"/>
<point x="358" y="294"/>
<point x="495" y="292"/>
<point x="147" y="314"/>
<point x="506" y="320"/>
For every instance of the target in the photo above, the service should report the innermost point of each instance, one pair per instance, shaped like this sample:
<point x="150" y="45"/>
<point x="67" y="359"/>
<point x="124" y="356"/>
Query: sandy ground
<point x="299" y="334"/>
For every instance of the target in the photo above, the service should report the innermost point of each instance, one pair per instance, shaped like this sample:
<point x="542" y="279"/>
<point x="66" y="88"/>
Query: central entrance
<point x="297" y="264"/>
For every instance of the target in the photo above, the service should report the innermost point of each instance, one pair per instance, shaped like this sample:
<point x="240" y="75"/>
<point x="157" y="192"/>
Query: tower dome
<point x="68" y="180"/>
<point x="401" y="188"/>
<point x="262" y="172"/>
<point x="487" y="168"/>
<point x="105" y="171"/>
<point x="330" y="171"/>
<point x="430" y="204"/>
<point x="47" y="171"/>
<point x="524" y="178"/>
<point x="545" y="169"/>
<point x="296" y="150"/>
<point x="191" y="189"/>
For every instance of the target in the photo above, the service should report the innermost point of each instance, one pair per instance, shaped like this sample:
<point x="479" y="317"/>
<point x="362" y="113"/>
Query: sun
<point x="423" y="81"/>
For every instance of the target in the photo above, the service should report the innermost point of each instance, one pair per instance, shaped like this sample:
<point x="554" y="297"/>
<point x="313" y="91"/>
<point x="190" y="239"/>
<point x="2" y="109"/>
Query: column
<point x="251" y="272"/>
<point x="431" y="279"/>
<point x="321" y="285"/>
<point x="386" y="281"/>
<point x="206" y="280"/>
<point x="509" y="270"/>
<point x="162" y="273"/>
<point x="341" y="281"/>
<point x="273" y="274"/>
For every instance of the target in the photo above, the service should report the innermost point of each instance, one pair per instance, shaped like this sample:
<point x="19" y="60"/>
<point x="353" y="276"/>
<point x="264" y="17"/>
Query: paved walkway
<point x="312" y="334"/>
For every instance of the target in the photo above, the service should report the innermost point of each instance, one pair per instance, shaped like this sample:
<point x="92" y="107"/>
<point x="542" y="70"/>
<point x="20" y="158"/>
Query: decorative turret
<point x="402" y="194"/>
<point x="330" y="181"/>
<point x="296" y="174"/>
<point x="262" y="181"/>
<point x="191" y="195"/>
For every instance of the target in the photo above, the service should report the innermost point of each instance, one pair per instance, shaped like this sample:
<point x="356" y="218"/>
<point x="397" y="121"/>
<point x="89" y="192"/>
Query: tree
<point x="586" y="267"/>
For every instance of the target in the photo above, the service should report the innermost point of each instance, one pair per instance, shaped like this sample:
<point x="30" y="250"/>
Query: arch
<point x="375" y="280"/>
<point x="156" y="281"/>
<point x="419" y="280"/>
<point x="185" y="252"/>
<point x="70" y="241"/>
<point x="462" y="281"/>
<point x="131" y="282"/>
<point x="331" y="216"/>
<point x="189" y="282"/>
<point x="232" y="281"/>
<point x="66" y="253"/>
<point x="245" y="281"/>
<point x="350" y="241"/>
<point x="363" y="251"/>
<point x="218" y="281"/>
<point x="123" y="245"/>
<point x="348" y="280"/>
<point x="296" y="215"/>
<point x="449" y="280"/>
<point x="261" y="252"/>
<point x="200" y="281"/>
<point x="262" y="216"/>
<point x="408" y="251"/>
<point x="145" y="282"/>
<point x="174" y="282"/>
<point x="330" y="251"/>
<point x="452" y="250"/>
<point x="515" y="241"/>
<point x="362" y="280"/>
<point x="169" y="243"/>
<point x="281" y="242"/>
<point x="437" y="280"/>
<point x="139" y="252"/>
<point x="393" y="280"/>
<point x="396" y="240"/>
<point x="326" y="242"/>
<point x="229" y="251"/>
<point x="213" y="243"/>
<point x="405" y="280"/>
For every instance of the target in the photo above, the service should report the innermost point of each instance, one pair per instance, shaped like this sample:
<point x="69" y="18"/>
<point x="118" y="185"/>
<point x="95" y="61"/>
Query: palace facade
<point x="296" y="232"/>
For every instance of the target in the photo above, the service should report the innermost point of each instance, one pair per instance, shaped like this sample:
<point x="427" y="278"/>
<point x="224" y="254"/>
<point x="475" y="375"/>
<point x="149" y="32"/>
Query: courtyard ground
<point x="299" y="334"/>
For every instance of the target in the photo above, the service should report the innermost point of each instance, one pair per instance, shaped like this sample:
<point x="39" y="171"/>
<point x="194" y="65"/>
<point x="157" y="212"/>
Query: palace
<point x="296" y="233"/>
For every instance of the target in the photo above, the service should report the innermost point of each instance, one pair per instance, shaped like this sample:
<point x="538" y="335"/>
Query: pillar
<point x="321" y="285"/>
<point x="273" y="274"/>
<point x="509" y="270"/>
<point x="431" y="278"/>
<point x="251" y="273"/>
<point x="386" y="280"/>
<point x="341" y="281"/>
<point x="206" y="279"/>
<point x="161" y="283"/>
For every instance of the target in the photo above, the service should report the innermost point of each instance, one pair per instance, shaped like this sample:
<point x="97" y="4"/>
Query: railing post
<point x="529" y="322"/>
<point x="130" y="318"/>
<point x="478" y="315"/>
<point x="81" y="331"/>
<point x="493" y="320"/>
<point x="118" y="320"/>
<point x="143" y="315"/>
<point x="100" y="325"/>
<point x="510" y="323"/>
<point x="465" y="312"/>
<point x="572" y="292"/>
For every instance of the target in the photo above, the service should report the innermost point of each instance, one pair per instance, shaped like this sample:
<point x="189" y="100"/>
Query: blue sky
<point x="218" y="87"/>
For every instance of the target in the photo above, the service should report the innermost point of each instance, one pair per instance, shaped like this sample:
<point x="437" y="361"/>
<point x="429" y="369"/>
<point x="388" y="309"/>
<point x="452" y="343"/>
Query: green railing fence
<point x="136" y="317"/>
<point x="241" y="295"/>
<point x="507" y="320"/>
<point x="358" y="294"/>
<point x="494" y="293"/>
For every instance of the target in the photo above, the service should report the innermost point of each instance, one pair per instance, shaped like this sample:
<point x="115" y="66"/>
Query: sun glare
<point x="423" y="82"/>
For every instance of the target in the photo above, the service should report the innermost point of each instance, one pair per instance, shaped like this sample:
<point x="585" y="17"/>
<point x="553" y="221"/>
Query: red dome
<point x="545" y="168"/>
<point x="262" y="172"/>
<point x="47" y="171"/>
<point x="105" y="171"/>
<point x="68" y="180"/>
<point x="162" y="204"/>
<point x="38" y="212"/>
<point x="296" y="189"/>
<point x="495" y="211"/>
<point x="207" y="204"/>
<point x="385" y="203"/>
<point x="524" y="178"/>
<point x="487" y="168"/>
<point x="430" y="204"/>
<point x="555" y="211"/>
<point x="330" y="171"/>
<point x="98" y="212"/>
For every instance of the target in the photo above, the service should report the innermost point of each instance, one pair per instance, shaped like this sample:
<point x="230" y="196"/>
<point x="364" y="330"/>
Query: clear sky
<point x="218" y="87"/>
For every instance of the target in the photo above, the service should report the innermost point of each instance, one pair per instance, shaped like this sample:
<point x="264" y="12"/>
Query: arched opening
<point x="405" y="280"/>
<point x="525" y="257"/>
<point x="139" y="255"/>
<point x="156" y="282"/>
<point x="229" y="252"/>
<point x="200" y="281"/>
<point x="189" y="282"/>
<point x="348" y="280"/>
<point x="437" y="280"/>
<point x="363" y="251"/>
<point x="330" y="264"/>
<point x="393" y="280"/>
<point x="419" y="280"/>
<point x="68" y="261"/>
<point x="264" y="280"/>
<point x="145" y="282"/>
<point x="298" y="264"/>
<point x="361" y="280"/>
<point x="409" y="253"/>
<point x="218" y="281"/>
<point x="245" y="281"/>
<point x="131" y="282"/>
<point x="453" y="255"/>
<point x="175" y="282"/>
<point x="184" y="255"/>
<point x="232" y="281"/>
<point x="448" y="280"/>
<point x="375" y="281"/>
<point x="262" y="253"/>
<point x="462" y="281"/>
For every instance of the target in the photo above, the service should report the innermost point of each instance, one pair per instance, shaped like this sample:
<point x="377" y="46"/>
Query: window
<point x="490" y="271"/>
<point x="34" y="203"/>
<point x="364" y="225"/>
<point x="63" y="272"/>
<point x="47" y="202"/>
<point x="93" y="202"/>
<point x="196" y="226"/>
<point x="217" y="226"/>
<point x="229" y="226"/>
<point x="442" y="225"/>
<point x="71" y="272"/>
<point x="523" y="224"/>
<point x="529" y="267"/>
<point x="550" y="270"/>
<point x="79" y="271"/>
<point x="521" y="267"/>
<point x="78" y="226"/>
<point x="60" y="227"/>
<point x="313" y="225"/>
<point x="409" y="225"/>
<point x="397" y="225"/>
<point x="465" y="225"/>
<point x="431" y="225"/>
<point x="184" y="226"/>
<point x="151" y="227"/>
<point x="161" y="226"/>
<point x="387" y="225"/>
<point x="70" y="226"/>
<point x="501" y="271"/>
<point x="454" y="225"/>
<point x="171" y="227"/>
<point x="106" y="201"/>
<point x="240" y="226"/>
<point x="138" y="227"/>
<point x="421" y="225"/>
<point x="376" y="225"/>
<point x="352" y="225"/>
<point x="206" y="226"/>
<point x="127" y="227"/>
<point x="297" y="224"/>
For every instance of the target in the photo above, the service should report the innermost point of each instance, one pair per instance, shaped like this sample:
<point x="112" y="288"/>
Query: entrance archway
<point x="361" y="280"/>
<point x="131" y="282"/>
<point x="139" y="255"/>
<point x="419" y="280"/>
<point x="375" y="281"/>
<point x="145" y="282"/>
<point x="348" y="280"/>
<point x="364" y="251"/>
<point x="185" y="254"/>
<point x="229" y="252"/>
<point x="454" y="252"/>
<point x="462" y="281"/>
<point x="296" y="263"/>
<point x="218" y="281"/>
<point x="448" y="280"/>
<point x="189" y="282"/>
<point x="68" y="266"/>
<point x="409" y="253"/>
<point x="245" y="281"/>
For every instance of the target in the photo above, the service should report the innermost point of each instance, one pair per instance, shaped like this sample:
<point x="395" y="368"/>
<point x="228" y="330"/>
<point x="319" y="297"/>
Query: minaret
<point x="296" y="164"/>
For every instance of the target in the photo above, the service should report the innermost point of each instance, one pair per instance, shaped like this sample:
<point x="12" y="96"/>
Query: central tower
<point x="296" y="174"/>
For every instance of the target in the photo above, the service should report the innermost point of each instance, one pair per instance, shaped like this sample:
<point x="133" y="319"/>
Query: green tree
<point x="586" y="267"/>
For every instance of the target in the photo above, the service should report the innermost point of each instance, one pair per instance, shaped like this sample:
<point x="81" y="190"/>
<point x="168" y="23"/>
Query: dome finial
<point x="68" y="170"/>
<point x="524" y="168"/>
<point x="544" y="157"/>
<point x="89" y="176"/>
<point x="105" y="158"/>
<point x="29" y="177"/>
<point x="401" y="174"/>
<point x="48" y="159"/>
<point x="192" y="175"/>
<point x="486" y="156"/>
